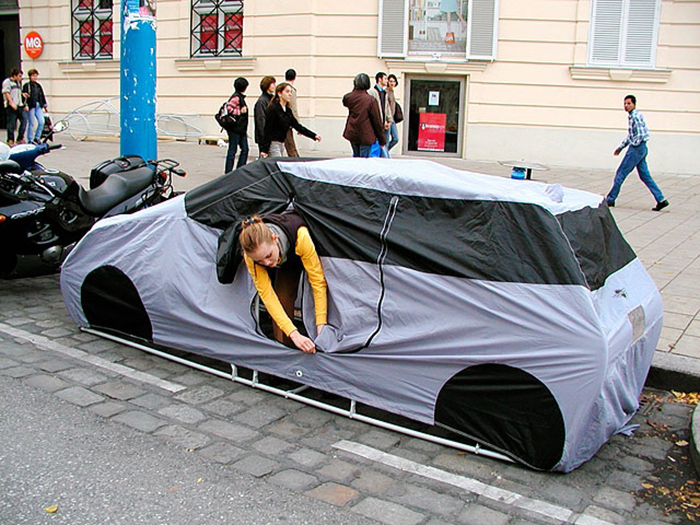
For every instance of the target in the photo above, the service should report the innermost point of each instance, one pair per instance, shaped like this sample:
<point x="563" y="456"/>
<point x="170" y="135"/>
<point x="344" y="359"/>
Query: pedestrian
<point x="279" y="121"/>
<point x="392" y="134"/>
<point x="290" y="76"/>
<point x="238" y="133"/>
<point x="636" y="156"/>
<point x="364" y="125"/>
<point x="281" y="244"/>
<point x="14" y="106"/>
<point x="380" y="95"/>
<point x="267" y="87"/>
<point x="36" y="105"/>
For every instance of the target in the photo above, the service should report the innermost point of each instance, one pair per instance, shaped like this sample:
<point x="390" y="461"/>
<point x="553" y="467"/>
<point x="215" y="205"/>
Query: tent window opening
<point x="216" y="28"/>
<point x="92" y="29"/>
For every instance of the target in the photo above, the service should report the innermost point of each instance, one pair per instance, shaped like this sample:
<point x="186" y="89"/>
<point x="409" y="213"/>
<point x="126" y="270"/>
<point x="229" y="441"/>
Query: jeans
<point x="392" y="136"/>
<point x="12" y="116"/>
<point x="636" y="157"/>
<point x="235" y="140"/>
<point x="360" y="150"/>
<point x="35" y="113"/>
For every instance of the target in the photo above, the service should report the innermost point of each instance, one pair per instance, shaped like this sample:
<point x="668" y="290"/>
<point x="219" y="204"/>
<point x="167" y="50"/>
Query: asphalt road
<point x="97" y="471"/>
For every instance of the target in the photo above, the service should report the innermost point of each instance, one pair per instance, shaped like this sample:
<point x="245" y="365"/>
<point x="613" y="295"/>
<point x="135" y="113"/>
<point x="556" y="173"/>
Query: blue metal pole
<point x="138" y="79"/>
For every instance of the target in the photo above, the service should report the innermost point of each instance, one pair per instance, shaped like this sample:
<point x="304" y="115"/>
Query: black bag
<point x="398" y="113"/>
<point x="225" y="116"/>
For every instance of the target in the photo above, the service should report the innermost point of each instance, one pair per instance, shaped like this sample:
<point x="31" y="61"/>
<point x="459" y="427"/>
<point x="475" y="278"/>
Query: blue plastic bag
<point x="376" y="150"/>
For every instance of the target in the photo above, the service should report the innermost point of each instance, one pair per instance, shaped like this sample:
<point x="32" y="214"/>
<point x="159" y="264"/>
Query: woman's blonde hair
<point x="254" y="232"/>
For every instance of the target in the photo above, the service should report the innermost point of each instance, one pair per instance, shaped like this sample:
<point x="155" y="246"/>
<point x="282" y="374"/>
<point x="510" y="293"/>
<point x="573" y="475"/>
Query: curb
<point x="694" y="434"/>
<point x="674" y="372"/>
<point x="677" y="372"/>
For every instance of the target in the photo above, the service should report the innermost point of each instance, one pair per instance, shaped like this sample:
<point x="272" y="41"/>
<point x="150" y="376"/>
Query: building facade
<point x="540" y="80"/>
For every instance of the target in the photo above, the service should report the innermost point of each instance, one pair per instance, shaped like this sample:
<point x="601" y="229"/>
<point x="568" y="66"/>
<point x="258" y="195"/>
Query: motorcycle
<point x="44" y="212"/>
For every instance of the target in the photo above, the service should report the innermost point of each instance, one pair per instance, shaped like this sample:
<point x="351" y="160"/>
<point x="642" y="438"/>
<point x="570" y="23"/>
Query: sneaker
<point x="660" y="205"/>
<point x="611" y="204"/>
<point x="10" y="143"/>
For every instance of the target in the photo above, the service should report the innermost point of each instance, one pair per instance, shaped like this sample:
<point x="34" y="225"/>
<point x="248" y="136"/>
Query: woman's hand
<point x="302" y="343"/>
<point x="318" y="138"/>
<point x="263" y="155"/>
<point x="319" y="327"/>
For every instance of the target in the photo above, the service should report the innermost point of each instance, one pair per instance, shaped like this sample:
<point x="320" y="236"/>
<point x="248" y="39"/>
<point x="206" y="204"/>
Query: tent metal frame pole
<point x="293" y="394"/>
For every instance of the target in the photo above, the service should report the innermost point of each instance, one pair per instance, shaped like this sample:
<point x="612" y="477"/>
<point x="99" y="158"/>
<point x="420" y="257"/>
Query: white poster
<point x="433" y="98"/>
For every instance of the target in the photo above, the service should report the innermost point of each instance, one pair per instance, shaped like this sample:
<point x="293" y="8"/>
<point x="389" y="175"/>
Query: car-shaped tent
<point x="511" y="313"/>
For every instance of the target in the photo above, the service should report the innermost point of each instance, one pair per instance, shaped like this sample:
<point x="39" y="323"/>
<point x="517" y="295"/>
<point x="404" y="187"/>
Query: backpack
<point x="228" y="113"/>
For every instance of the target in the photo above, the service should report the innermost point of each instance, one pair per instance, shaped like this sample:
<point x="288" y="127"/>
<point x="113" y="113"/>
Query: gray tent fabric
<point x="512" y="313"/>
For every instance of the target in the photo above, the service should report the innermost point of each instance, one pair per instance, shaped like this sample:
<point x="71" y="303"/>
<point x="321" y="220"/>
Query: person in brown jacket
<point x="364" y="125"/>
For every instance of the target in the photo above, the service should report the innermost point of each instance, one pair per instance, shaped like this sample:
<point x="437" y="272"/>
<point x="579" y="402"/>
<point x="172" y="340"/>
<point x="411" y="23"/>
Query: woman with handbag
<point x="392" y="134"/>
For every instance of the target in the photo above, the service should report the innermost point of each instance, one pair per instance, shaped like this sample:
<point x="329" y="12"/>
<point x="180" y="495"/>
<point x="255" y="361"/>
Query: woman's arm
<point x="312" y="264"/>
<point x="301" y="129"/>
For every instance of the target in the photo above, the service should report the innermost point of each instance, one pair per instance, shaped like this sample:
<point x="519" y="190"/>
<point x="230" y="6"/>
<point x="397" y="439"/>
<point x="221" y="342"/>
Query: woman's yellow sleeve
<point x="312" y="264"/>
<point x="263" y="285"/>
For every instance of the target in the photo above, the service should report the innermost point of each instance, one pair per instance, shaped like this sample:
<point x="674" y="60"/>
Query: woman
<point x="364" y="125"/>
<point x="238" y="135"/>
<point x="36" y="105"/>
<point x="282" y="242"/>
<point x="392" y="134"/>
<point x="279" y="120"/>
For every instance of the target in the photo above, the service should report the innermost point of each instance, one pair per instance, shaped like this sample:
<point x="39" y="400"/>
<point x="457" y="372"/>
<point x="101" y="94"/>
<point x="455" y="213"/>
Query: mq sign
<point x="33" y="44"/>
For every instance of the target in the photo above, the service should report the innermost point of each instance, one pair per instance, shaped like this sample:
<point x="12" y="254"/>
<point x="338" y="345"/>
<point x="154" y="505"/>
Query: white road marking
<point x="472" y="485"/>
<point x="47" y="344"/>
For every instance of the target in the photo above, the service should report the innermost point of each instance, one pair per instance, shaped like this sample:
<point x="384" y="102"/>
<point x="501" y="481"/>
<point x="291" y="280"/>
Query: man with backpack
<point x="233" y="118"/>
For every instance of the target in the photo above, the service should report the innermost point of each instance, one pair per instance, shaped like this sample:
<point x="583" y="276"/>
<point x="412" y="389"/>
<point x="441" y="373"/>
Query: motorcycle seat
<point x="117" y="188"/>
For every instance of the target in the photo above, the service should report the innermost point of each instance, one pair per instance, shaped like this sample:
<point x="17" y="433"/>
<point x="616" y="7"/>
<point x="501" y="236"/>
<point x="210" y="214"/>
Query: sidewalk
<point x="667" y="242"/>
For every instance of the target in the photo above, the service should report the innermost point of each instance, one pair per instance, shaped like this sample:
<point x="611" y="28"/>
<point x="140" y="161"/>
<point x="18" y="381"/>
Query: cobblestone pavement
<point x="365" y="471"/>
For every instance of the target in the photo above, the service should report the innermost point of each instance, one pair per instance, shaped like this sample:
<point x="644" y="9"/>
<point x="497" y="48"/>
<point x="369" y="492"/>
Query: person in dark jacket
<point x="35" y="105"/>
<point x="238" y="134"/>
<point x="279" y="121"/>
<point x="267" y="86"/>
<point x="364" y="125"/>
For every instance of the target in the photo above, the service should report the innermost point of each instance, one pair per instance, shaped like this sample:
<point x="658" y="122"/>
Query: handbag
<point x="228" y="114"/>
<point x="398" y="113"/>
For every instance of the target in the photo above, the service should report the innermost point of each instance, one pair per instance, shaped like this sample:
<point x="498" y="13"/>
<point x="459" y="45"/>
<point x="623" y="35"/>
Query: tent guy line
<point x="472" y="485"/>
<point x="47" y="344"/>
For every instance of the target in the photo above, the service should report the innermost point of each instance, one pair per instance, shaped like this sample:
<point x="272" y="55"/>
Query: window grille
<point x="92" y="29"/>
<point x="217" y="28"/>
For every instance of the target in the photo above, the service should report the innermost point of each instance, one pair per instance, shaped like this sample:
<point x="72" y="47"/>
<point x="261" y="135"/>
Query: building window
<point x="451" y="29"/>
<point x="624" y="33"/>
<point x="92" y="29"/>
<point x="217" y="28"/>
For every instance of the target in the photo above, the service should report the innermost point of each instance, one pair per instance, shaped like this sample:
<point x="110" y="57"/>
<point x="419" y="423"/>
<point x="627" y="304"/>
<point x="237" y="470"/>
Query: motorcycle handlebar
<point x="55" y="146"/>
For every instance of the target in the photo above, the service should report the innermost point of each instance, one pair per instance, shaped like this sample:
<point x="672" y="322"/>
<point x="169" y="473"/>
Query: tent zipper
<point x="388" y="221"/>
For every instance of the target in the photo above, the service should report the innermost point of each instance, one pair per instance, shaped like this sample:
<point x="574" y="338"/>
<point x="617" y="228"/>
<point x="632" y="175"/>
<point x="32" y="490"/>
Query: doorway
<point x="435" y="117"/>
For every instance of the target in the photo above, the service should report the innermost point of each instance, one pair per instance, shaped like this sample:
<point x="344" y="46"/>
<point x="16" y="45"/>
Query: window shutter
<point x="482" y="32"/>
<point x="624" y="33"/>
<point x="393" y="26"/>
<point x="640" y="41"/>
<point x="606" y="32"/>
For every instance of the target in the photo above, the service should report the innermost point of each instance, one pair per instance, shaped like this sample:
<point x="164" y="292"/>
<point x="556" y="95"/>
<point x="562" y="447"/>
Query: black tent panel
<point x="507" y="408"/>
<point x="110" y="300"/>
<point x="597" y="242"/>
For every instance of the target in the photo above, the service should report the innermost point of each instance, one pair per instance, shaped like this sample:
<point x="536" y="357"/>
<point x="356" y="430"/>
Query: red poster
<point x="431" y="131"/>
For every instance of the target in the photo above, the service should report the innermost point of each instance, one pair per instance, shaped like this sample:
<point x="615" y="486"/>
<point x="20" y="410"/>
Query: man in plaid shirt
<point x="636" y="156"/>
